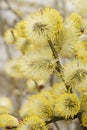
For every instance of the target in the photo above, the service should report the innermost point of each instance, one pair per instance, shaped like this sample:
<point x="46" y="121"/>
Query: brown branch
<point x="37" y="87"/>
<point x="51" y="79"/>
<point x="55" y="119"/>
<point x="8" y="127"/>
<point x="13" y="35"/>
<point x="58" y="68"/>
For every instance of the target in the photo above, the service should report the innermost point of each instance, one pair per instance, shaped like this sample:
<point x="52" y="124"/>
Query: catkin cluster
<point x="44" y="39"/>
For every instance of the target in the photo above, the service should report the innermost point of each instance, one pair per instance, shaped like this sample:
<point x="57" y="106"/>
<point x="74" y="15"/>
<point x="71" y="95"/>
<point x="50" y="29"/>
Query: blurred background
<point x="11" y="12"/>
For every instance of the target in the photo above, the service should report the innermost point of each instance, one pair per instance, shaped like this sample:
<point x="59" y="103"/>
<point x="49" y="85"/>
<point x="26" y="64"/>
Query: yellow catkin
<point x="40" y="105"/>
<point x="76" y="21"/>
<point x="43" y="106"/>
<point x="84" y="102"/>
<point x="12" y="68"/>
<point x="44" y="25"/>
<point x="81" y="50"/>
<point x="67" y="105"/>
<point x="10" y="36"/>
<point x="76" y="77"/>
<point x="20" y="27"/>
<point x="5" y="104"/>
<point x="72" y="30"/>
<point x="38" y="65"/>
<point x="84" y="119"/>
<point x="58" y="88"/>
<point x="25" y="46"/>
<point x="7" y="120"/>
<point x="32" y="123"/>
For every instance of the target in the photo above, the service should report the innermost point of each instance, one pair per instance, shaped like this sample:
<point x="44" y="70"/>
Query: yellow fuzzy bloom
<point x="58" y="88"/>
<point x="48" y="95"/>
<point x="84" y="102"/>
<point x="44" y="25"/>
<point x="31" y="85"/>
<point x="10" y="36"/>
<point x="7" y="120"/>
<point x="34" y="86"/>
<point x="76" y="21"/>
<point x="81" y="50"/>
<point x="6" y="104"/>
<point x="41" y="106"/>
<point x="12" y="68"/>
<point x="69" y="39"/>
<point x="71" y="32"/>
<point x="25" y="110"/>
<point x="75" y="75"/>
<point x="80" y="5"/>
<point x="32" y="123"/>
<point x="57" y="21"/>
<point x="24" y="45"/>
<point x="67" y="105"/>
<point x="20" y="28"/>
<point x="84" y="119"/>
<point x="4" y="110"/>
<point x="38" y="65"/>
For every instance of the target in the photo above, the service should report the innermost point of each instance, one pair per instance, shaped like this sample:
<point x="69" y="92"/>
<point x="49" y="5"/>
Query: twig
<point x="84" y="128"/>
<point x="13" y="35"/>
<point x="55" y="4"/>
<point x="8" y="127"/>
<point x="58" y="68"/>
<point x="64" y="8"/>
<point x="37" y="87"/>
<point x="1" y="22"/>
<point x="7" y="51"/>
<point x="56" y="125"/>
<point x="54" y="120"/>
<point x="51" y="79"/>
<point x="9" y="7"/>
